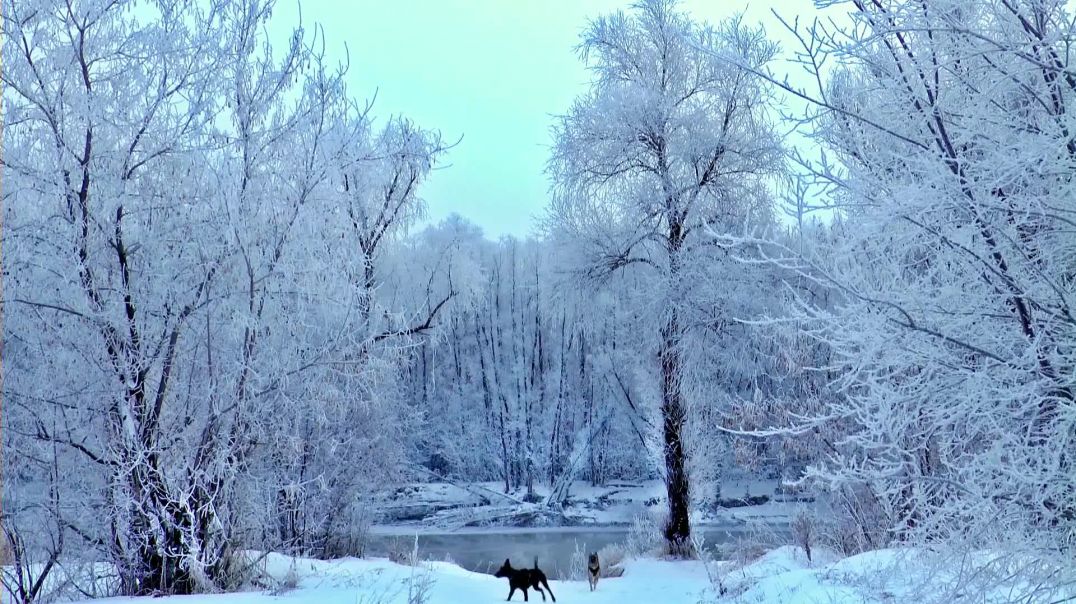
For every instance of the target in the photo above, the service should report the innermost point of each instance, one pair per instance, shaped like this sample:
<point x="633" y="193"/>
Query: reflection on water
<point x="485" y="551"/>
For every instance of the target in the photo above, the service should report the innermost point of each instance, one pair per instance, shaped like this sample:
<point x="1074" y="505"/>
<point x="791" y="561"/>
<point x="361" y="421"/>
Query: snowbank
<point x="890" y="576"/>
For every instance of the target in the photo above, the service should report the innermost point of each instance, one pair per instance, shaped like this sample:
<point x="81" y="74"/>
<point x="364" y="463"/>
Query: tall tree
<point x="668" y="144"/>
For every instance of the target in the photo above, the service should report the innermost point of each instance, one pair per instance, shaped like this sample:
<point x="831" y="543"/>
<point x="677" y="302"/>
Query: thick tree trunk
<point x="677" y="529"/>
<point x="155" y="566"/>
<point x="673" y="411"/>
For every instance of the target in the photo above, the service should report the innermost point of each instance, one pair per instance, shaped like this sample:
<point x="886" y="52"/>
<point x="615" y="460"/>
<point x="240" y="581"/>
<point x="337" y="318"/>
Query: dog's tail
<point x="536" y="563"/>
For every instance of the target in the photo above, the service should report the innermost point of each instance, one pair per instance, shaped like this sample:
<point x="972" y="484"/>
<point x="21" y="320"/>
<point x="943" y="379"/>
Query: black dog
<point x="524" y="579"/>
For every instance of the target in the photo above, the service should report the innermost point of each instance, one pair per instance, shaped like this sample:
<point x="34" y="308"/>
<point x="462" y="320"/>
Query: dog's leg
<point x="541" y="592"/>
<point x="525" y="598"/>
<point x="549" y="589"/>
<point x="511" y="591"/>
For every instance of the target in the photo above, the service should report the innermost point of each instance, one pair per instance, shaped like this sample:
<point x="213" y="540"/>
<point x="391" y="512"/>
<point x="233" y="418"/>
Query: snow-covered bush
<point x="804" y="528"/>
<point x="644" y="536"/>
<point x="577" y="562"/>
<point x="288" y="582"/>
<point x="712" y="567"/>
<point x="612" y="558"/>
<point x="419" y="584"/>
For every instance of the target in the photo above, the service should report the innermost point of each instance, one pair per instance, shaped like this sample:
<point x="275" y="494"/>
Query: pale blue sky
<point x="493" y="71"/>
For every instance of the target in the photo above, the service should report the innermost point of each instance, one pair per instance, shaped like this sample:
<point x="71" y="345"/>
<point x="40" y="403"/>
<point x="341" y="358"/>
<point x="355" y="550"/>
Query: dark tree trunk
<point x="155" y="566"/>
<point x="677" y="530"/>
<point x="673" y="412"/>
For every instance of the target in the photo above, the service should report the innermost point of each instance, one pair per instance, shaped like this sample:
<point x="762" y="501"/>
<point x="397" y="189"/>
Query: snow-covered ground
<point x="782" y="575"/>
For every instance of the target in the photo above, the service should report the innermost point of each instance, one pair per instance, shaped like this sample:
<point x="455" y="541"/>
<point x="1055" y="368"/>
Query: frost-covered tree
<point x="950" y="131"/>
<point x="344" y="436"/>
<point x="181" y="317"/>
<point x="668" y="144"/>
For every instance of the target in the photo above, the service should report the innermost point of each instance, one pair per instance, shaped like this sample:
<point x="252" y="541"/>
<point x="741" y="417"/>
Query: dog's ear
<point x="507" y="562"/>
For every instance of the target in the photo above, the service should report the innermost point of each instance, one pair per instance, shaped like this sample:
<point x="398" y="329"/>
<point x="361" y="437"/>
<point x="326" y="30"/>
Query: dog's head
<point x="505" y="570"/>
<point x="593" y="560"/>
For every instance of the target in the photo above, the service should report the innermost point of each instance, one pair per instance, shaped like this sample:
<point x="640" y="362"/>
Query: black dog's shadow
<point x="524" y="579"/>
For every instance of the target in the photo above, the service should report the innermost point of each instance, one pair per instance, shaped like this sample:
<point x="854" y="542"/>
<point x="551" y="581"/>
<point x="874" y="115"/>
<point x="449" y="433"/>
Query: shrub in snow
<point x="577" y="563"/>
<point x="804" y="529"/>
<point x="612" y="557"/>
<point x="713" y="571"/>
<point x="404" y="550"/>
<point x="644" y="536"/>
<point x="419" y="584"/>
<point x="288" y="582"/>
<point x="851" y="521"/>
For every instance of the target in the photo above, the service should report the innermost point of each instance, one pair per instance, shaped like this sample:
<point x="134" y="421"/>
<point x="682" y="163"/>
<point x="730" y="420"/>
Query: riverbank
<point x="432" y="506"/>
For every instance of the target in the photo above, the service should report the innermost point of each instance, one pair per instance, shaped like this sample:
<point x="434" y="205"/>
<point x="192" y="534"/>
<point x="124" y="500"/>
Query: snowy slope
<point x="782" y="575"/>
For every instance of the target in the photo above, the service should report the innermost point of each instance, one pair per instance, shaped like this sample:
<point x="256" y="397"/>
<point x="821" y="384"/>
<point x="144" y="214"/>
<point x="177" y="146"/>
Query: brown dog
<point x="594" y="570"/>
